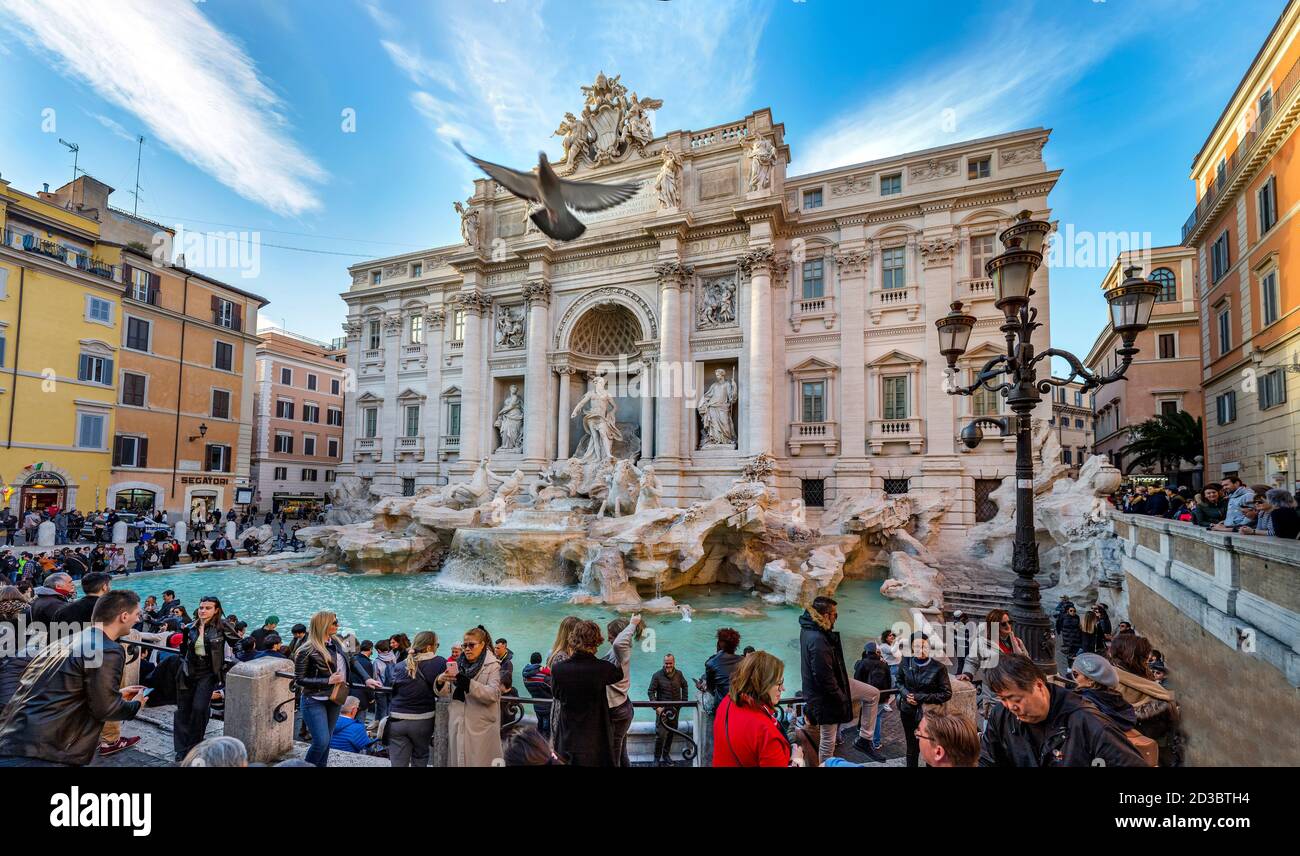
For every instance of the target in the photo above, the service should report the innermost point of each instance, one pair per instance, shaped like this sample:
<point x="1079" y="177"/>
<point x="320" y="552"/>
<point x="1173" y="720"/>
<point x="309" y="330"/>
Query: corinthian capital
<point x="472" y="302"/>
<point x="853" y="261"/>
<point x="537" y="291"/>
<point x="765" y="260"/>
<point x="674" y="274"/>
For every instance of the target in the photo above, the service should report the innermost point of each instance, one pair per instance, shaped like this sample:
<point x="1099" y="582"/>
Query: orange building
<point x="183" y="428"/>
<point x="1165" y="376"/>
<point x="1247" y="239"/>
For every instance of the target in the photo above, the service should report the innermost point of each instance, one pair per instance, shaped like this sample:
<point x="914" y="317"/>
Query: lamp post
<point x="1014" y="375"/>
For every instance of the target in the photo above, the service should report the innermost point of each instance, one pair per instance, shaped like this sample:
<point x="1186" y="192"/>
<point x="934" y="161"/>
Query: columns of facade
<point x="537" y="294"/>
<point x="562" y="414"/>
<point x="352" y="329"/>
<point x="435" y="319"/>
<point x="390" y="415"/>
<point x="475" y="305"/>
<point x="673" y="278"/>
<point x="852" y="265"/>
<point x="645" y="388"/>
<point x="759" y="264"/>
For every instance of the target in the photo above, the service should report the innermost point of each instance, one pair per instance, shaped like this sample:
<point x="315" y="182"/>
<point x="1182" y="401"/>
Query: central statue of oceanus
<point x="599" y="422"/>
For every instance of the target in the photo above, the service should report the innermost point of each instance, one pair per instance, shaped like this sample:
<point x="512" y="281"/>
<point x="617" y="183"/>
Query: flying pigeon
<point x="556" y="195"/>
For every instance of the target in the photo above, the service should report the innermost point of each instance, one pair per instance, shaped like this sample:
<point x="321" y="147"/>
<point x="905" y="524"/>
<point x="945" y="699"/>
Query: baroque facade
<point x="733" y="309"/>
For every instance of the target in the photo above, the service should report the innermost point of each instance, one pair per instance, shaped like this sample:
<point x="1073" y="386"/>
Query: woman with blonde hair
<point x="745" y="728"/>
<point x="414" y="700"/>
<point x="473" y="680"/>
<point x="320" y="670"/>
<point x="560" y="649"/>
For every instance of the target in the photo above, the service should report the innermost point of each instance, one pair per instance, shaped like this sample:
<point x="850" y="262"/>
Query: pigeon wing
<point x="591" y="196"/>
<point x="521" y="184"/>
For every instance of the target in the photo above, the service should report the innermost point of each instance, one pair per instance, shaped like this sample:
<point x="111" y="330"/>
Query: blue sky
<point x="243" y="105"/>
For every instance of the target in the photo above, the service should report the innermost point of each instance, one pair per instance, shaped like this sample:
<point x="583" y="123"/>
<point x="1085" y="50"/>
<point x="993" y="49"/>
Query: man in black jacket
<point x="93" y="586"/>
<point x="667" y="684"/>
<point x="70" y="689"/>
<point x="826" y="689"/>
<point x="51" y="598"/>
<point x="1042" y="725"/>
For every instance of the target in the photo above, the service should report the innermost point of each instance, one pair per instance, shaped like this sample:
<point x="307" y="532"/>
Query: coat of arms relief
<point x="612" y="124"/>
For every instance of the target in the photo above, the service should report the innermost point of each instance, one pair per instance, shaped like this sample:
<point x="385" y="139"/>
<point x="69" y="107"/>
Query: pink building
<point x="1165" y="376"/>
<point x="298" y="422"/>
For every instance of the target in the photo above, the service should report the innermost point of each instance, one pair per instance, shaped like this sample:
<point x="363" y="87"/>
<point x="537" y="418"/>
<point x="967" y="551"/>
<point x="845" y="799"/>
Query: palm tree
<point x="1166" y="441"/>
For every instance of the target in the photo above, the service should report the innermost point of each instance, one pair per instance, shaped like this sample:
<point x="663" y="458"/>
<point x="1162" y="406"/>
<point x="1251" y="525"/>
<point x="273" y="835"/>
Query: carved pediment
<point x="896" y="358"/>
<point x="814" y="365"/>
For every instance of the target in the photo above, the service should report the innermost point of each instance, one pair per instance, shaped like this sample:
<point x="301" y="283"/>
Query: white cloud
<point x="190" y="84"/>
<point x="113" y="126"/>
<point x="986" y="90"/>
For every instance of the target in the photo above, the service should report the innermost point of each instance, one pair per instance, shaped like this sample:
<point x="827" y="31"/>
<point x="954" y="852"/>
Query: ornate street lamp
<point x="1012" y="273"/>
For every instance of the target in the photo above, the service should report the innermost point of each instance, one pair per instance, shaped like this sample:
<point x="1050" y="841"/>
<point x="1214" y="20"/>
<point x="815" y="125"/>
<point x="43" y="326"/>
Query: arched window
<point x="1164" y="278"/>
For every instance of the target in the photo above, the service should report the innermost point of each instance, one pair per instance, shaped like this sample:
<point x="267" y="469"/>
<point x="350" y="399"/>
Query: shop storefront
<point x="137" y="500"/>
<point x="298" y="506"/>
<point x="44" y="490"/>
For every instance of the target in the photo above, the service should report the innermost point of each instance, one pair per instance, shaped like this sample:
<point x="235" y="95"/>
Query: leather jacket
<point x="65" y="696"/>
<point x="310" y="670"/>
<point x="215" y="638"/>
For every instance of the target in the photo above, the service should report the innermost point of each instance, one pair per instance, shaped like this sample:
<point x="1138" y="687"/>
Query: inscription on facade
<point x="632" y="257"/>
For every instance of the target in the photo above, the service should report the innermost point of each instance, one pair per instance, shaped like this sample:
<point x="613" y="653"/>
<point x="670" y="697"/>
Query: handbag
<point x="339" y="692"/>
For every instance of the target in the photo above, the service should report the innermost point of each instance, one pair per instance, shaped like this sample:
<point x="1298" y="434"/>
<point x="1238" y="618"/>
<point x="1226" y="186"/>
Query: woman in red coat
<point x="745" y="729"/>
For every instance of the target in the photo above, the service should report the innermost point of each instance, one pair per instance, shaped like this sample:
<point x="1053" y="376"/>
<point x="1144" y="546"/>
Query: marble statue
<point x="717" y="303"/>
<point x="717" y="430"/>
<point x="510" y="422"/>
<point x="668" y="181"/>
<point x="506" y="499"/>
<point x="637" y="124"/>
<point x="762" y="158"/>
<point x="510" y="328"/>
<point x="622" y="486"/>
<point x="648" y="494"/>
<point x="468" y="224"/>
<point x="576" y="138"/>
<point x="599" y="422"/>
<point x="473" y="492"/>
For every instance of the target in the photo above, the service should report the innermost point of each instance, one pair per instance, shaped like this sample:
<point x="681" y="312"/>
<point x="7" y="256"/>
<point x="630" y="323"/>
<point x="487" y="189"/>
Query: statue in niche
<point x="668" y="181"/>
<point x="599" y="422"/>
<point x="510" y="422"/>
<point x="717" y="430"/>
<point x="761" y="154"/>
<point x="510" y="328"/>
<point x="717" y="303"/>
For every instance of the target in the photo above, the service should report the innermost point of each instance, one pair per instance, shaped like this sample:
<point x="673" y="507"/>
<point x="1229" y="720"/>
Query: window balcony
<point x="970" y="290"/>
<point x="812" y="309"/>
<point x="371" y="447"/>
<point x="824" y="434"/>
<point x="910" y="431"/>
<point x="410" y="447"/>
<point x="907" y="298"/>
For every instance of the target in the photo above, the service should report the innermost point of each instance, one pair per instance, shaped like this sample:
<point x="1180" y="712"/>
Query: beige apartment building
<point x="1244" y="233"/>
<point x="1165" y="374"/>
<point x="298" y="422"/>
<point x="1071" y="421"/>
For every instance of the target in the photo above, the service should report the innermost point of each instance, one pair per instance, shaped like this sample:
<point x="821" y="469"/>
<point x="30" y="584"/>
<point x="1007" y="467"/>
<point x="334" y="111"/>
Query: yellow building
<point x="60" y="311"/>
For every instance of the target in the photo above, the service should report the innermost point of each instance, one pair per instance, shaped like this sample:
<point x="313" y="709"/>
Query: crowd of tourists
<point x="1227" y="506"/>
<point x="1108" y="703"/>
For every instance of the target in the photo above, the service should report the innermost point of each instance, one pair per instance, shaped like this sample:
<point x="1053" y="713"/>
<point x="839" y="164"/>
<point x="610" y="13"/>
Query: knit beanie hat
<point x="1096" y="668"/>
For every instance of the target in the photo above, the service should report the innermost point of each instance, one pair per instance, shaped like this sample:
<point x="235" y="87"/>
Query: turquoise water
<point x="374" y="607"/>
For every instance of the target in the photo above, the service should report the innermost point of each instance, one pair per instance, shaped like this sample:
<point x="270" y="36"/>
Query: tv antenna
<point x="74" y="148"/>
<point x="136" y="193"/>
